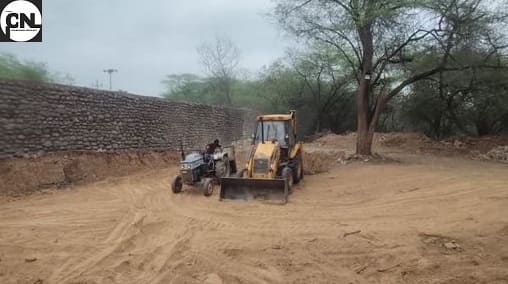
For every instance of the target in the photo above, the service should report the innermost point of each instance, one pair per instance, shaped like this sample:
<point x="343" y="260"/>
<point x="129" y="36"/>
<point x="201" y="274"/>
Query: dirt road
<point x="425" y="219"/>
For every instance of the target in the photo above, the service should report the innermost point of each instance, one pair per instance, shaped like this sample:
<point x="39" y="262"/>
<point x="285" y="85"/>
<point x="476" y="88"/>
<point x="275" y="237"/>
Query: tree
<point x="220" y="59"/>
<point x="379" y="37"/>
<point x="324" y="79"/>
<point x="186" y="87"/>
<point x="12" y="68"/>
<point x="470" y="102"/>
<point x="280" y="86"/>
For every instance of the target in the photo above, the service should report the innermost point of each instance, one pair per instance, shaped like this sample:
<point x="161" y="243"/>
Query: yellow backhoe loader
<point x="275" y="162"/>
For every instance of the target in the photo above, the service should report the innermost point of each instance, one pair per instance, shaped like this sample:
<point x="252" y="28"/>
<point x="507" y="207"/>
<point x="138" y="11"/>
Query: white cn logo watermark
<point x="21" y="20"/>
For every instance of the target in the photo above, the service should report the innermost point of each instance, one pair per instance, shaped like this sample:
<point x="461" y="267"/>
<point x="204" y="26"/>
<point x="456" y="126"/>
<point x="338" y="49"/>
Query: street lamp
<point x="110" y="73"/>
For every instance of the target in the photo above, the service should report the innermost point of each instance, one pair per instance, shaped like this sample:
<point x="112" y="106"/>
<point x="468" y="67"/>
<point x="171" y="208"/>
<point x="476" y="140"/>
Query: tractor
<point x="203" y="170"/>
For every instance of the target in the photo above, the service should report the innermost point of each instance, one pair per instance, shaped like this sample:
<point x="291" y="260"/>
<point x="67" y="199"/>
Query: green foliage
<point x="472" y="101"/>
<point x="312" y="83"/>
<point x="196" y="89"/>
<point x="281" y="87"/>
<point x="12" y="68"/>
<point x="186" y="87"/>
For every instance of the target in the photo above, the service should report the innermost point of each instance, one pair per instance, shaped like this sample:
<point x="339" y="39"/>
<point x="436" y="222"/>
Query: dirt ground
<point x="413" y="218"/>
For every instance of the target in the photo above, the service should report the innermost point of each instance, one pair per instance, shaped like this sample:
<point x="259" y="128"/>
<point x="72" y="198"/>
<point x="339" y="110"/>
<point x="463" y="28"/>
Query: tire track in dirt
<point x="134" y="230"/>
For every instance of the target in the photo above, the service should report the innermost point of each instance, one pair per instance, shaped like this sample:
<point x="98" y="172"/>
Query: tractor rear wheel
<point x="239" y="174"/>
<point x="222" y="168"/>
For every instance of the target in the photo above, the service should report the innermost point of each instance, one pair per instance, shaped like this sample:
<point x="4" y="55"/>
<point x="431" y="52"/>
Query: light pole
<point x="110" y="73"/>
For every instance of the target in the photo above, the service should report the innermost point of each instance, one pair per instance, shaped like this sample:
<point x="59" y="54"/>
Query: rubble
<point x="499" y="153"/>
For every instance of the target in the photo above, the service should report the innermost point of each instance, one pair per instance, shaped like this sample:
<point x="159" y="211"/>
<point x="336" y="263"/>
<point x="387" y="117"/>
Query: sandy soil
<point x="419" y="219"/>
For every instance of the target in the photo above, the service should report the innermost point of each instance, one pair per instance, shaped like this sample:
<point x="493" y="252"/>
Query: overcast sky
<point x="146" y="40"/>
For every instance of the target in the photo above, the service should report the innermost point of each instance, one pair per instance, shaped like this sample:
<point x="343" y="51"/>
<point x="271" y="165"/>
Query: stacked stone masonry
<point x="39" y="117"/>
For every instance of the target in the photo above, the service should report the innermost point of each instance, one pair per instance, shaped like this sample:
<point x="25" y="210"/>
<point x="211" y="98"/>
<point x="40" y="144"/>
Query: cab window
<point x="272" y="130"/>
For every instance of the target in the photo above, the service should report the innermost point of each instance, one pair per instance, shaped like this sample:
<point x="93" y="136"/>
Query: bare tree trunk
<point x="365" y="147"/>
<point x="318" y="125"/>
<point x="363" y="143"/>
<point x="364" y="137"/>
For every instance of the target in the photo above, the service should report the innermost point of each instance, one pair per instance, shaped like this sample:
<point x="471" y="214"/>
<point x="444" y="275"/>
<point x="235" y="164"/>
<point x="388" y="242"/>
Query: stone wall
<point x="41" y="118"/>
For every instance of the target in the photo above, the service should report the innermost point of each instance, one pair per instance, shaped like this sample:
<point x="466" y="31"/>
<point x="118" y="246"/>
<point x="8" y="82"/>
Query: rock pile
<point x="499" y="153"/>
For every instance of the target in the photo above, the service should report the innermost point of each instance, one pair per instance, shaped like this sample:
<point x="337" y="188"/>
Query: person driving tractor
<point x="210" y="148"/>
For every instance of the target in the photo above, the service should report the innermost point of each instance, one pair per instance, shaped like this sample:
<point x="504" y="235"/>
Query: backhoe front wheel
<point x="287" y="174"/>
<point x="298" y="171"/>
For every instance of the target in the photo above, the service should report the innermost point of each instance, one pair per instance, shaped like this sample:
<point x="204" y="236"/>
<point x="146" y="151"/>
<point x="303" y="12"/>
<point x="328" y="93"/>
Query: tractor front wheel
<point x="177" y="184"/>
<point x="208" y="187"/>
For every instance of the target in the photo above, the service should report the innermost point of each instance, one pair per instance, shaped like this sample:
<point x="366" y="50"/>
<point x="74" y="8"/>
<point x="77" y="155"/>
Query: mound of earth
<point x="326" y="149"/>
<point x="410" y="140"/>
<point x="320" y="161"/>
<point x="25" y="175"/>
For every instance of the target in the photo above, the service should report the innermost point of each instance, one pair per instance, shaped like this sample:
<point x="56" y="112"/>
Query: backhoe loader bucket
<point x="248" y="188"/>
